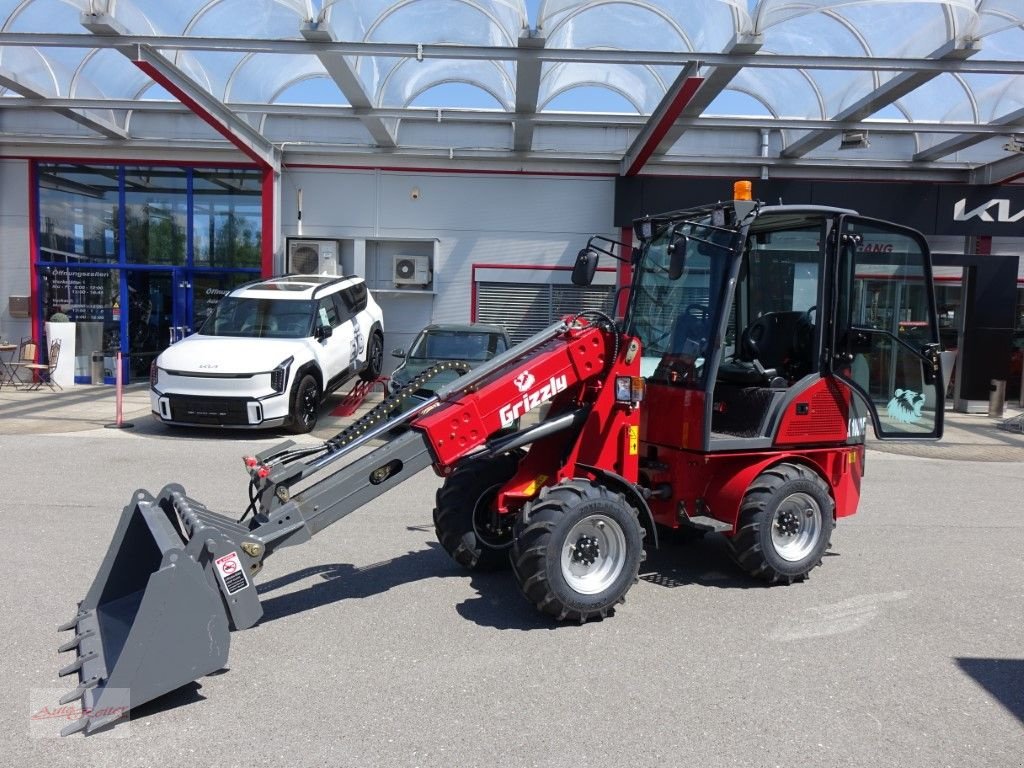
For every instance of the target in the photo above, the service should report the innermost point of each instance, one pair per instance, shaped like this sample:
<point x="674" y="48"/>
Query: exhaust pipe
<point x="174" y="581"/>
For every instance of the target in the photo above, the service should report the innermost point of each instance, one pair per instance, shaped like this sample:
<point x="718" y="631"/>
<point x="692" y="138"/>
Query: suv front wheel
<point x="305" y="405"/>
<point x="374" y="358"/>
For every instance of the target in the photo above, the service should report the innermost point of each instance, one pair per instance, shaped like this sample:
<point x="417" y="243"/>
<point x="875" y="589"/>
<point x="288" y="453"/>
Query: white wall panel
<point x="475" y="218"/>
<point x="14" y="244"/>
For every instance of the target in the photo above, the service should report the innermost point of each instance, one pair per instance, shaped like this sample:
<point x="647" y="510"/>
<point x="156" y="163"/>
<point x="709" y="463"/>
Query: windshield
<point x="260" y="318"/>
<point x="676" y="319"/>
<point x="457" y="345"/>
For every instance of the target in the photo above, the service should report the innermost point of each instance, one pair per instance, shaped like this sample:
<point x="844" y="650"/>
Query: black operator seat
<point x="765" y="349"/>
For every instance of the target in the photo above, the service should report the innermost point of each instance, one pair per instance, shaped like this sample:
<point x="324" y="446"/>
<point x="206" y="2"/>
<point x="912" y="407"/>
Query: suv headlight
<point x="279" y="376"/>
<point x="154" y="374"/>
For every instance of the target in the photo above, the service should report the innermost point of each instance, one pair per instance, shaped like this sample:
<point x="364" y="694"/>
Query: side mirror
<point x="677" y="256"/>
<point x="324" y="332"/>
<point x="585" y="267"/>
<point x="398" y="352"/>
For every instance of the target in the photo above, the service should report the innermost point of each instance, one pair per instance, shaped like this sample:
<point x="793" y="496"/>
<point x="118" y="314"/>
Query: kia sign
<point x="965" y="210"/>
<point x="932" y="208"/>
<point x="994" y="210"/>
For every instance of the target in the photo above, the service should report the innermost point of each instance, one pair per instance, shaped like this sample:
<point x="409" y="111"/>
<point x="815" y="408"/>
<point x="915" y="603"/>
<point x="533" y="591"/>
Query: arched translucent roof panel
<point x="980" y="98"/>
<point x="642" y="87"/>
<point x="997" y="15"/>
<point x="46" y="70"/>
<point x="864" y="28"/>
<point x="408" y="78"/>
<point x="394" y="82"/>
<point x="106" y="67"/>
<point x="671" y="25"/>
<point x="961" y="14"/>
<point x="705" y="25"/>
<point x="239" y="18"/>
<point x="250" y="77"/>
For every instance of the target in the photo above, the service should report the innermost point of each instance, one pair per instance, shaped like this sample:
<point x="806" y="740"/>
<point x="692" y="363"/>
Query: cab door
<point x="885" y="335"/>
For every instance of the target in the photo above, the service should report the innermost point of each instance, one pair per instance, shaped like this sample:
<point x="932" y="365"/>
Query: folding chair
<point x="27" y="350"/>
<point x="44" y="371"/>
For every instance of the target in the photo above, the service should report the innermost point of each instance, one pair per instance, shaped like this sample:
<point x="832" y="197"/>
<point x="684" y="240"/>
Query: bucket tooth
<point x="76" y="665"/>
<point x="76" y="726"/>
<point x="74" y="642"/>
<point x="71" y="624"/>
<point x="79" y="692"/>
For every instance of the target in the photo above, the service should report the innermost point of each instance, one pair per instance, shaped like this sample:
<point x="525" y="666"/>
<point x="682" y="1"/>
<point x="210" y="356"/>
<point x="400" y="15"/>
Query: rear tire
<point x="305" y="405"/>
<point x="786" y="522"/>
<point x="374" y="358"/>
<point x="577" y="551"/>
<point x="463" y="518"/>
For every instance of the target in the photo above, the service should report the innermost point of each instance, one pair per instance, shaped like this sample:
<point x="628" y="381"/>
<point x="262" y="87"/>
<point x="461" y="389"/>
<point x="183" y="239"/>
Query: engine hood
<point x="213" y="355"/>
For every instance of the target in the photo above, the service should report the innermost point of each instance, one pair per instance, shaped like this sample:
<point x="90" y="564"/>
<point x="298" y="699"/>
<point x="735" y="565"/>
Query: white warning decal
<point x="231" y="573"/>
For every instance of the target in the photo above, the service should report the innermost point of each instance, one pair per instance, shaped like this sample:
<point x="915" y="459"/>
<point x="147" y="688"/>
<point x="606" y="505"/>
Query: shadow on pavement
<point x="499" y="603"/>
<point x="1002" y="678"/>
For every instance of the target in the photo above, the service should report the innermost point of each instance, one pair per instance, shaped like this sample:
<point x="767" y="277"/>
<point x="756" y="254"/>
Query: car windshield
<point x="456" y="345"/>
<point x="260" y="318"/>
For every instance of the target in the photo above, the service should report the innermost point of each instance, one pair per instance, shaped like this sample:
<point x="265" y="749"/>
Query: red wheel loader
<point x="733" y="396"/>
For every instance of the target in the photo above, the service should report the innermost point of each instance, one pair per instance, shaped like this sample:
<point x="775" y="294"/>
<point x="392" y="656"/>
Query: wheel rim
<point x="593" y="555"/>
<point x="376" y="354"/>
<point x="796" y="527"/>
<point x="481" y="515"/>
<point x="308" y="405"/>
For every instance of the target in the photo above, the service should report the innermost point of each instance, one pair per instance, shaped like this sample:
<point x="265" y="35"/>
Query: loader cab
<point x="764" y="326"/>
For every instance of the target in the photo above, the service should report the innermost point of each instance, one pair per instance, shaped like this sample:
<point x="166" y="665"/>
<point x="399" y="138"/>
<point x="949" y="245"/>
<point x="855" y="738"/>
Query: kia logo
<point x="983" y="211"/>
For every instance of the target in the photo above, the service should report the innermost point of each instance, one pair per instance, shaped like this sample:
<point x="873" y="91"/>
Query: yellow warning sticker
<point x="532" y="488"/>
<point x="634" y="441"/>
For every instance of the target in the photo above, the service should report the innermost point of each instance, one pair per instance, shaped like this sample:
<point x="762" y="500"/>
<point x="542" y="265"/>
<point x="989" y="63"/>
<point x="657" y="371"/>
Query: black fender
<point x="621" y="485"/>
<point x="313" y="368"/>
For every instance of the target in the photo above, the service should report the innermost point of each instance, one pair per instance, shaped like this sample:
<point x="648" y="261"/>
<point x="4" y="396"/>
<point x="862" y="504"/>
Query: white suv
<point x="269" y="353"/>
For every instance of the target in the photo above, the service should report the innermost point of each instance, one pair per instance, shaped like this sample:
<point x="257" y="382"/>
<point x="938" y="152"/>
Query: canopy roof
<point x="930" y="88"/>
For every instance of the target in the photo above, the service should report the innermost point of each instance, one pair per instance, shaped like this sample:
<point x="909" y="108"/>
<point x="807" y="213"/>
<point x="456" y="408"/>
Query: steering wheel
<point x="750" y="338"/>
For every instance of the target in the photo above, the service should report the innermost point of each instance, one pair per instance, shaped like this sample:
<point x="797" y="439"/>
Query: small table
<point x="7" y="365"/>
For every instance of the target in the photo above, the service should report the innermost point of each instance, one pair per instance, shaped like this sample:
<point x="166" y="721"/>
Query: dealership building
<point x="458" y="153"/>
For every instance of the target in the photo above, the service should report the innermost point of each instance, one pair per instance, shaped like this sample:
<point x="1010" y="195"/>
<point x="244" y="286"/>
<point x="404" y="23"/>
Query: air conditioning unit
<point x="312" y="257"/>
<point x="411" y="270"/>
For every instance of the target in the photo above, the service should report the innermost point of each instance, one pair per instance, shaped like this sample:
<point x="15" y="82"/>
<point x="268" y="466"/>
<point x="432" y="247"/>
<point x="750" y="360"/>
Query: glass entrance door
<point x="155" y="299"/>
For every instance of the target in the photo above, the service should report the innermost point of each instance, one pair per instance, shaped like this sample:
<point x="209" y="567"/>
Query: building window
<point x="78" y="214"/>
<point x="156" y="215"/>
<point x="226" y="218"/>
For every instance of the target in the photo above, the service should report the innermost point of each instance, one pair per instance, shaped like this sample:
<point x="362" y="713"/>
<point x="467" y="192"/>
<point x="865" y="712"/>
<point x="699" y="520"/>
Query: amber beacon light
<point x="742" y="190"/>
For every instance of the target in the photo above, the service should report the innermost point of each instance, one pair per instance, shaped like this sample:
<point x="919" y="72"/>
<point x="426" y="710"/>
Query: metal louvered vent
<point x="526" y="309"/>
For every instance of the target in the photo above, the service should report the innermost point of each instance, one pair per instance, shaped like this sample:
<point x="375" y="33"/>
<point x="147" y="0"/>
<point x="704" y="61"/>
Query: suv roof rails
<point x="335" y="281"/>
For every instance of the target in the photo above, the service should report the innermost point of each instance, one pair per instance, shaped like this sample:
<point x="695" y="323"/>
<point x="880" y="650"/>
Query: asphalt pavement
<point x="905" y="648"/>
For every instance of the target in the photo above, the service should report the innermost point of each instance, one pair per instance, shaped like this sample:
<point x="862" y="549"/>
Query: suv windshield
<point x="260" y="318"/>
<point x="457" y="345"/>
<point x="676" y="319"/>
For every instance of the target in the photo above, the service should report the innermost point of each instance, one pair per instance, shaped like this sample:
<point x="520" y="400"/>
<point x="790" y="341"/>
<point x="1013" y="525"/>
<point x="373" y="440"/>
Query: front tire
<point x="577" y="551"/>
<point x="374" y="358"/>
<point x="786" y="522"/>
<point x="305" y="405"/>
<point x="463" y="518"/>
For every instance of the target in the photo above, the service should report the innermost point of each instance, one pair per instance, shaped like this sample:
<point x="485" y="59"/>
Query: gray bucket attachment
<point x="158" y="614"/>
